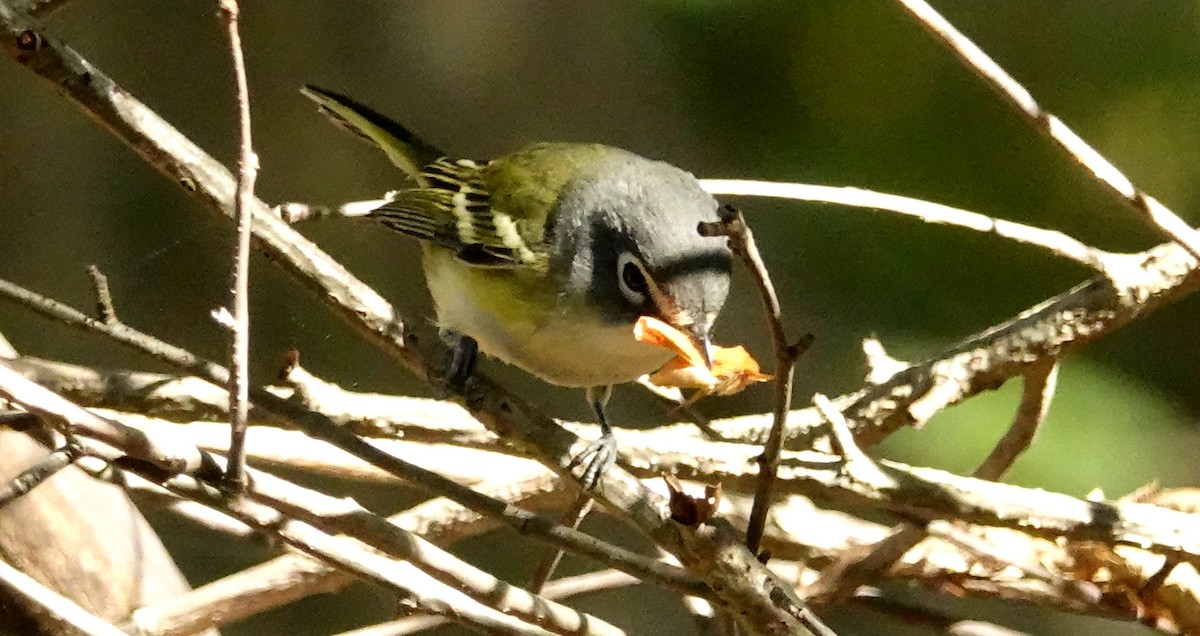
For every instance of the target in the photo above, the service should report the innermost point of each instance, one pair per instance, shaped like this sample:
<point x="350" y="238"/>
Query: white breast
<point x="561" y="348"/>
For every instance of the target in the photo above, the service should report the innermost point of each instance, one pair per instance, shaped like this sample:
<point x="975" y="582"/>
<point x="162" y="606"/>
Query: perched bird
<point x="546" y="257"/>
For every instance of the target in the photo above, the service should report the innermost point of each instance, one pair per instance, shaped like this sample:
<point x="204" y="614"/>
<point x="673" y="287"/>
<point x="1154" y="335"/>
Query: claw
<point x="596" y="459"/>
<point x="602" y="453"/>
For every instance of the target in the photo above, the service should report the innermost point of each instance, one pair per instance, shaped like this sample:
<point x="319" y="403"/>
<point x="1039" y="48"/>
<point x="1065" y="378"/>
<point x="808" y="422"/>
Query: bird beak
<point x="698" y="334"/>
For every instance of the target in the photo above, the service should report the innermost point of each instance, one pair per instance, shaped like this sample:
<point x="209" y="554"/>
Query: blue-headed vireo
<point x="546" y="257"/>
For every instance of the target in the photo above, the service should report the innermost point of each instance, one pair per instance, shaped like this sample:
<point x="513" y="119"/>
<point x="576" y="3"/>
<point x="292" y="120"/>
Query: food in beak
<point x="732" y="369"/>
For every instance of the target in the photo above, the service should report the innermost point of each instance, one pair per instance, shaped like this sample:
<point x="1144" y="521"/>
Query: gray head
<point x="625" y="237"/>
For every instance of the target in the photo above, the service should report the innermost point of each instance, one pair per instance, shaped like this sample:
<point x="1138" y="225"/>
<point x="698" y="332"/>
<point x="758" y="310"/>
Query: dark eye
<point x="632" y="281"/>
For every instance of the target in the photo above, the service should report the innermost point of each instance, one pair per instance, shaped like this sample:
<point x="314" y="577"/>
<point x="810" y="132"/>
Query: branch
<point x="239" y="326"/>
<point x="105" y="310"/>
<point x="861" y="566"/>
<point x="1077" y="149"/>
<point x="324" y="515"/>
<point x="30" y="478"/>
<point x="1053" y="241"/>
<point x="321" y="427"/>
<point x="741" y="241"/>
<point x="1049" y="330"/>
<point x="290" y="577"/>
<point x="165" y="452"/>
<point x="821" y="476"/>
<point x="417" y="588"/>
<point x="910" y="492"/>
<point x="1036" y="395"/>
<point x="565" y="587"/>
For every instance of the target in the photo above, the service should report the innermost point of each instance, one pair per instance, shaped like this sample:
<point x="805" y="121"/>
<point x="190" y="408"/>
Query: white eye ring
<point x="631" y="278"/>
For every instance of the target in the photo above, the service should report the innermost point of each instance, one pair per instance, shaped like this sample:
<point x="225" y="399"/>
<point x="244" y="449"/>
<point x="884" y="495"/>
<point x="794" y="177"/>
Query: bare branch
<point x="295" y="212"/>
<point x="733" y="225"/>
<point x="1036" y="395"/>
<point x="239" y="382"/>
<point x="324" y="515"/>
<point x="559" y="589"/>
<point x="862" y="566"/>
<point x="572" y="518"/>
<point x="105" y="310"/>
<point x="417" y="587"/>
<point x="1077" y="149"/>
<point x="30" y="478"/>
<point x="321" y="427"/>
<point x="291" y="577"/>
<point x="1052" y="241"/>
<point x="346" y="517"/>
<point x="7" y="351"/>
<point x="1050" y="330"/>
<point x="165" y="452"/>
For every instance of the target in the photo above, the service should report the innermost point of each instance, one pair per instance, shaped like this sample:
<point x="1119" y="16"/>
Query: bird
<point x="545" y="258"/>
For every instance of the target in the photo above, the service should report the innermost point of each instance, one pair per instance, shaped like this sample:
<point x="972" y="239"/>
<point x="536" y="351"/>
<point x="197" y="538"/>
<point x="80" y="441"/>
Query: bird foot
<point x="596" y="459"/>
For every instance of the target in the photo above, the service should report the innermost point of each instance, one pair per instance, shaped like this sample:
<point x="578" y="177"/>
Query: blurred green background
<point x="830" y="92"/>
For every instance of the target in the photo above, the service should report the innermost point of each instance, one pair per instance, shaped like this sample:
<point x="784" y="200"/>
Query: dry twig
<point x="1077" y="149"/>
<point x="321" y="427"/>
<point x="239" y="324"/>
<point x="1052" y="241"/>
<point x="30" y="478"/>
<point x="733" y="225"/>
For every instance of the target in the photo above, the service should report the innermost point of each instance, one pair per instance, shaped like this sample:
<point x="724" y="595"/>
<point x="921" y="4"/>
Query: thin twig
<point x="321" y="427"/>
<point x="1018" y="97"/>
<point x="7" y="351"/>
<point x="105" y="310"/>
<point x="843" y="440"/>
<point x="31" y="477"/>
<point x="291" y="577"/>
<point x="295" y="212"/>
<point x="864" y="565"/>
<point x="741" y="240"/>
<point x="417" y="587"/>
<point x="239" y="385"/>
<point x="1036" y="395"/>
<point x="165" y="452"/>
<point x="550" y="560"/>
<point x="566" y="587"/>
<point x="1053" y="241"/>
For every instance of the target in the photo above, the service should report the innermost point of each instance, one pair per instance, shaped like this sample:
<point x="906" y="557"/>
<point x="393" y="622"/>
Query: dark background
<point x="832" y="92"/>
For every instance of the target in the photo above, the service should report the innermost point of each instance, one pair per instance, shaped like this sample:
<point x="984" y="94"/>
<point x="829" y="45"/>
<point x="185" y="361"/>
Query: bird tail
<point x="404" y="148"/>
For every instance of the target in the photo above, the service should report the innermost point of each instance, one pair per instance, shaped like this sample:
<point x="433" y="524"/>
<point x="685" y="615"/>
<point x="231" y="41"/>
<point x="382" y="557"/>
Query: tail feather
<point x="404" y="148"/>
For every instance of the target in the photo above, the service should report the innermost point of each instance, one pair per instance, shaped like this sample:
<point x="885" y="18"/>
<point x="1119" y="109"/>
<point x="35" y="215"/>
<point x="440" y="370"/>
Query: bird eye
<point x="631" y="279"/>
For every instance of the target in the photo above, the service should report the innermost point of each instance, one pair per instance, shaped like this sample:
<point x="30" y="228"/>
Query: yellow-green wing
<point x="492" y="214"/>
<point x="456" y="210"/>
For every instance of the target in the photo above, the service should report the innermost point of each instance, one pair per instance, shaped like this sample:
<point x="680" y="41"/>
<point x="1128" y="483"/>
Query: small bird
<point x="545" y="258"/>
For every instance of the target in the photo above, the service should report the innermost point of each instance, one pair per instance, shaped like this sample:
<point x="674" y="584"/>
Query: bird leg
<point x="602" y="453"/>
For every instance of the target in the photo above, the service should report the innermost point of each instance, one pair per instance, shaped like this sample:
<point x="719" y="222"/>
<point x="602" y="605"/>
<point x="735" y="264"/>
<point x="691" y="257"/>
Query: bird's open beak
<point x="698" y="334"/>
